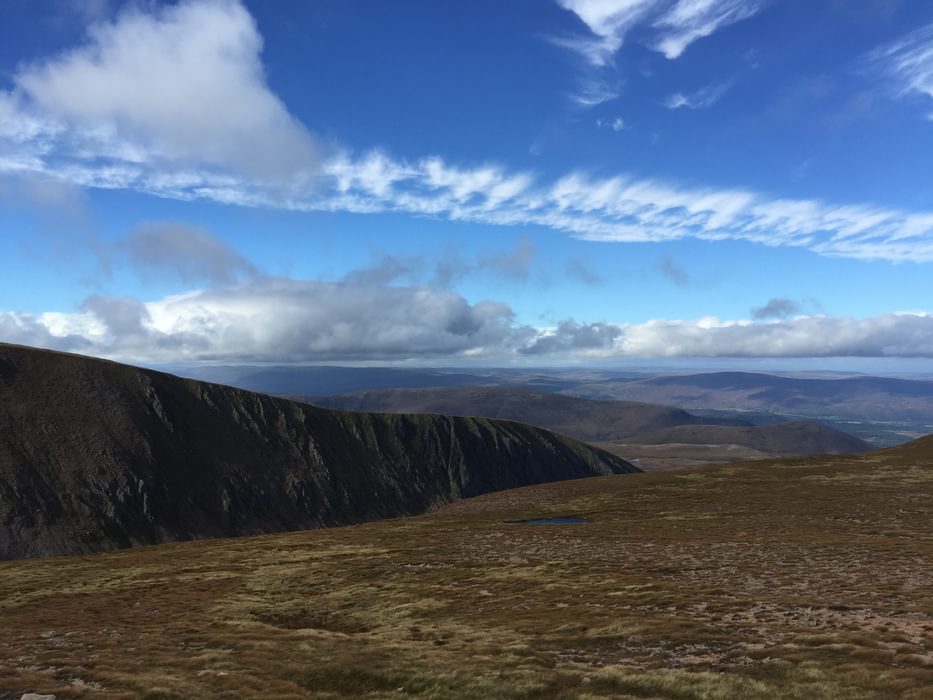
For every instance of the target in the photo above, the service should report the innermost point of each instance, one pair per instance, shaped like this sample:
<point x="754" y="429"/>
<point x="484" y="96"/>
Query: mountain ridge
<point x="604" y="421"/>
<point x="583" y="419"/>
<point x="98" y="455"/>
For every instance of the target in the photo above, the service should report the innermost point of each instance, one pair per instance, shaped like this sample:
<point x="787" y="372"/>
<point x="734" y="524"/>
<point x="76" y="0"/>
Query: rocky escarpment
<point x="96" y="455"/>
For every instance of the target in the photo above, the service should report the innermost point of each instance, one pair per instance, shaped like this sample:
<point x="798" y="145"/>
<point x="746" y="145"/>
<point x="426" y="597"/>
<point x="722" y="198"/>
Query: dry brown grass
<point x="806" y="579"/>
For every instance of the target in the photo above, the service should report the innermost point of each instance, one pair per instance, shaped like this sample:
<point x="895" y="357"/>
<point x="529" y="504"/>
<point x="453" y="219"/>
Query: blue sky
<point x="532" y="181"/>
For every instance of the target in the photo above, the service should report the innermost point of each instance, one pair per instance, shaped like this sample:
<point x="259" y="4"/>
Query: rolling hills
<point x="859" y="397"/>
<point x="608" y="422"/>
<point x="96" y="455"/>
<point x="580" y="418"/>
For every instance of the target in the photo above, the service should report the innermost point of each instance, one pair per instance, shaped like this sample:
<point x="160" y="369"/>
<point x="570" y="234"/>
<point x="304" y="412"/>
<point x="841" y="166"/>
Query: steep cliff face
<point x="96" y="455"/>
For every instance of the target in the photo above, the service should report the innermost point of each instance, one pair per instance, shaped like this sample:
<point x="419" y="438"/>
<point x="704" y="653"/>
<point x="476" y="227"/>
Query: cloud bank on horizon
<point x="143" y="105"/>
<point x="286" y="320"/>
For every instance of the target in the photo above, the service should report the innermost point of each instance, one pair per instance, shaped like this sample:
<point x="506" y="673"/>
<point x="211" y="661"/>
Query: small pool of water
<point x="567" y="520"/>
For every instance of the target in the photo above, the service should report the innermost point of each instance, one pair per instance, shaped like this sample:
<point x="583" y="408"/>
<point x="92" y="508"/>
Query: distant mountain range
<point x="583" y="419"/>
<point x="883" y="410"/>
<point x="632" y="423"/>
<point x="96" y="455"/>
<point x="870" y="398"/>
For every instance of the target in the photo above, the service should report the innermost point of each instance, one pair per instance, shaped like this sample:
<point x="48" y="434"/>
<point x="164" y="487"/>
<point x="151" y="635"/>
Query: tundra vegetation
<point x="799" y="578"/>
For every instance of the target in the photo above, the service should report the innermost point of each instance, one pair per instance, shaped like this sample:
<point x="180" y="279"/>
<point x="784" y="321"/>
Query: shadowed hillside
<point x="607" y="421"/>
<point x="96" y="455"/>
<point x="582" y="418"/>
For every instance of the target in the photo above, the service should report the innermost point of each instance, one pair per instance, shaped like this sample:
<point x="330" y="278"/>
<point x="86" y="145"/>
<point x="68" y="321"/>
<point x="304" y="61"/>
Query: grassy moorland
<point x="796" y="579"/>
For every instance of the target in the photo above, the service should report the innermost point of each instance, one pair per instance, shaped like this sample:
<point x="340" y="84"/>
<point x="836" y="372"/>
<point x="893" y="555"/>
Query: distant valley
<point x="884" y="411"/>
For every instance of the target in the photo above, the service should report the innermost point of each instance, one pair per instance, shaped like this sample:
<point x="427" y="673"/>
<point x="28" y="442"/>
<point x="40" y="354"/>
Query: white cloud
<point x="276" y="320"/>
<point x="609" y="21"/>
<point x="701" y="99"/>
<point x="594" y="91"/>
<point x="620" y="208"/>
<point x="677" y="26"/>
<point x="283" y="320"/>
<point x="95" y="118"/>
<point x="907" y="63"/>
<point x="690" y="20"/>
<point x="889" y="335"/>
<point x="182" y="85"/>
<point x="617" y="124"/>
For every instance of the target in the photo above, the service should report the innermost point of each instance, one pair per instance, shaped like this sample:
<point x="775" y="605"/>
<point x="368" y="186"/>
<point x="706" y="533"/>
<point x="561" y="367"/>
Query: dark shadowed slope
<point x="582" y="418"/>
<point x="605" y="421"/>
<point x="95" y="455"/>
<point x="782" y="439"/>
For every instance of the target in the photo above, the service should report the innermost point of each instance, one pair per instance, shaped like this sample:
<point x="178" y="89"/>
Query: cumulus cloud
<point x="283" y="320"/>
<point x="907" y="63"/>
<point x="570" y="338"/>
<point x="125" y="318"/>
<point x="182" y="85"/>
<point x="779" y="307"/>
<point x="701" y="99"/>
<point x="277" y="320"/>
<point x="186" y="252"/>
<point x="890" y="335"/>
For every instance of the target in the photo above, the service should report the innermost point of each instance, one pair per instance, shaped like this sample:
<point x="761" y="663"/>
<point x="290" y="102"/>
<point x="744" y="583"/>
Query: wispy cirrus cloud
<point x="626" y="209"/>
<point x="614" y="209"/>
<point x="593" y="91"/>
<point x="53" y="131"/>
<point x="701" y="99"/>
<point x="608" y="21"/>
<point x="906" y="63"/>
<point x="690" y="20"/>
<point x="675" y="25"/>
